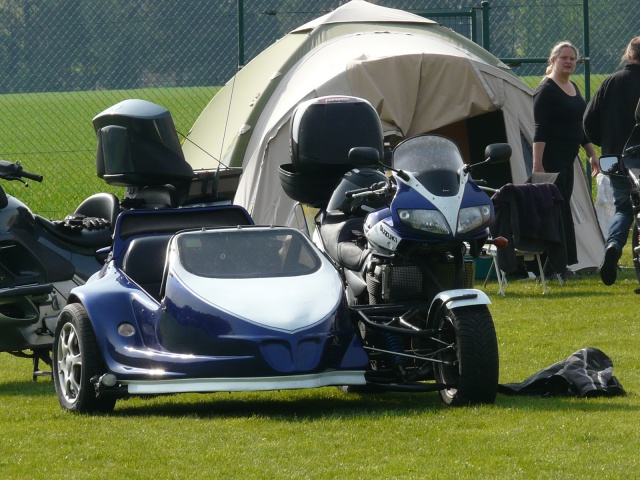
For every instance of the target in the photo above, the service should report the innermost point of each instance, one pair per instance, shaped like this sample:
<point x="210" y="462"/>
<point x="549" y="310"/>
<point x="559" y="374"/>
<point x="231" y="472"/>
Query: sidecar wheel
<point x="470" y="361"/>
<point x="635" y="241"/>
<point x="75" y="361"/>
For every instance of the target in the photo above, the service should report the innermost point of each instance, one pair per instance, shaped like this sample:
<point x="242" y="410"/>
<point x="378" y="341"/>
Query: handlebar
<point x="32" y="176"/>
<point x="14" y="171"/>
<point x="366" y="190"/>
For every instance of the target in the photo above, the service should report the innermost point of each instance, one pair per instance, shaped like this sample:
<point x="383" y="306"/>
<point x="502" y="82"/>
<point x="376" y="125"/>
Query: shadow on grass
<point x="341" y="406"/>
<point x="283" y="406"/>
<point x="324" y="403"/>
<point x="588" y="285"/>
<point x="556" y="294"/>
<point x="28" y="388"/>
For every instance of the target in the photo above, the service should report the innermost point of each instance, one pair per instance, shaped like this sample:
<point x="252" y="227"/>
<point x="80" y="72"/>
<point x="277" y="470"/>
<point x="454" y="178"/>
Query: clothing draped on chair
<point x="529" y="216"/>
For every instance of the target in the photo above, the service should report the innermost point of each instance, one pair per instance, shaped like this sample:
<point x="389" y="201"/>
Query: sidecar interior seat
<point x="144" y="262"/>
<point x="101" y="205"/>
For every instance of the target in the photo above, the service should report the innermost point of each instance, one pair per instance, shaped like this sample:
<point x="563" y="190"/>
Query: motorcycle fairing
<point x="380" y="231"/>
<point x="412" y="195"/>
<point x="384" y="228"/>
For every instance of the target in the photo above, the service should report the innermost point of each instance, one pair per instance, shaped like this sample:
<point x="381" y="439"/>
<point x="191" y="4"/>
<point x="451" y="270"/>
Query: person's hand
<point x="595" y="167"/>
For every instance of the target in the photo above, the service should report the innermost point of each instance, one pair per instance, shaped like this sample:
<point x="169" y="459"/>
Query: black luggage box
<point x="139" y="145"/>
<point x="322" y="133"/>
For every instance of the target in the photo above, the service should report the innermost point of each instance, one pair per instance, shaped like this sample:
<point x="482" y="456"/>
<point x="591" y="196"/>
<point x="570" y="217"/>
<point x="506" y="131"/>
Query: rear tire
<point x="76" y="360"/>
<point x="635" y="241"/>
<point x="470" y="365"/>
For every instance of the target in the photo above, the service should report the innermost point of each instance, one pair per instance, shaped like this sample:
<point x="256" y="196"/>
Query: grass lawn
<point x="325" y="433"/>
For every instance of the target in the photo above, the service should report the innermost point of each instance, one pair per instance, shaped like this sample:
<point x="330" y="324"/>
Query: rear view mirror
<point x="610" y="165"/>
<point x="364" y="157"/>
<point x="498" y="152"/>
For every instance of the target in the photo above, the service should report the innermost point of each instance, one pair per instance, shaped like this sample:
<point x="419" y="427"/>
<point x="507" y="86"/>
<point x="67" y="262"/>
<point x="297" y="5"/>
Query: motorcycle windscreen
<point x="246" y="253"/>
<point x="434" y="161"/>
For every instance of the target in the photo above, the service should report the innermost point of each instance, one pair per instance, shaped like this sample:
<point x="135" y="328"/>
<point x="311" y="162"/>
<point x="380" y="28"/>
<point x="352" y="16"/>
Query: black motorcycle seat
<point x="82" y="238"/>
<point x="344" y="240"/>
<point x="101" y="205"/>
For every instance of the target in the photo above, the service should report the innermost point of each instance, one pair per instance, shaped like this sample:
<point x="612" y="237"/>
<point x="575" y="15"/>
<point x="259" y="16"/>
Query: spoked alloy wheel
<point x="469" y="355"/>
<point x="75" y="361"/>
<point x="635" y="241"/>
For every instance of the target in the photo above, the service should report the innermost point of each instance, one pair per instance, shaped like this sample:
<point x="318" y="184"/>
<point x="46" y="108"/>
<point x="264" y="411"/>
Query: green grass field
<point x="324" y="433"/>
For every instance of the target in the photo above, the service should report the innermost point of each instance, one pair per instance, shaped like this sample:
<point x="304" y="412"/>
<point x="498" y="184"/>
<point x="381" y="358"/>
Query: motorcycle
<point x="628" y="165"/>
<point x="399" y="236"/>
<point x="42" y="260"/>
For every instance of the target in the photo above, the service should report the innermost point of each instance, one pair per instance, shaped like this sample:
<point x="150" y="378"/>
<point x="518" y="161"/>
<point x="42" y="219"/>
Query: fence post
<point x="240" y="34"/>
<point x="486" y="42"/>
<point x="587" y="51"/>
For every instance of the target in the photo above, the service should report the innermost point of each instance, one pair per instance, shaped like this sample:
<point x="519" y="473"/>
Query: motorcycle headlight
<point x="427" y="220"/>
<point x="473" y="217"/>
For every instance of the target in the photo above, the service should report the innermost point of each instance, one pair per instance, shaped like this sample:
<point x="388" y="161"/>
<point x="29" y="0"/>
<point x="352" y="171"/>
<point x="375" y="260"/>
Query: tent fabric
<point x="418" y="75"/>
<point x="351" y="12"/>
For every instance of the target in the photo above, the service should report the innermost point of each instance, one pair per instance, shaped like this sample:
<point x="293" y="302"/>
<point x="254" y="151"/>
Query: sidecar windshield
<point x="246" y="253"/>
<point x="434" y="161"/>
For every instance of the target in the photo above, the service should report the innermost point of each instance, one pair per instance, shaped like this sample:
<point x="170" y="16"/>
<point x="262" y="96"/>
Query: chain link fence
<point x="64" y="61"/>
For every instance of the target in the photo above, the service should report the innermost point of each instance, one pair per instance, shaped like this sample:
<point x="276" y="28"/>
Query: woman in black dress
<point x="558" y="108"/>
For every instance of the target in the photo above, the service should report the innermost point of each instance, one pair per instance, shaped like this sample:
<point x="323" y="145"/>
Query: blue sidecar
<point x="184" y="306"/>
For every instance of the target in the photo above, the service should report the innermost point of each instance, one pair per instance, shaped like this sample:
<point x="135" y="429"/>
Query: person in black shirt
<point x="608" y="121"/>
<point x="558" y="108"/>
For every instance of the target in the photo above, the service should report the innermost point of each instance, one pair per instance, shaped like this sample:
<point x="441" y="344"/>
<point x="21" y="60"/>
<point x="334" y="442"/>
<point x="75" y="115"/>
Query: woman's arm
<point x="542" y="103"/>
<point x="538" y="151"/>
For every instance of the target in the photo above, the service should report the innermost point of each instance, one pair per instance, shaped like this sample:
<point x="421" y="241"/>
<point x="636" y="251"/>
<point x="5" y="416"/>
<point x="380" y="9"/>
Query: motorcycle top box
<point x="322" y="133"/>
<point x="182" y="306"/>
<point x="138" y="145"/>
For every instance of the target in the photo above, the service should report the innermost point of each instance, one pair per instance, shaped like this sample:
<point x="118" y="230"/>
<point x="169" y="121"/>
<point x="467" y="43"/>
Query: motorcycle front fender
<point x="456" y="298"/>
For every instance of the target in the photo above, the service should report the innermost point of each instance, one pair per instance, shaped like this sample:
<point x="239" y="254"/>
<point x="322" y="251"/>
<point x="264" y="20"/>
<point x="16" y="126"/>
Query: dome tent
<point x="420" y="76"/>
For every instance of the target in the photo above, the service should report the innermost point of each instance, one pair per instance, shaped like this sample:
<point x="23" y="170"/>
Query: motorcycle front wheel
<point x="468" y="362"/>
<point x="76" y="360"/>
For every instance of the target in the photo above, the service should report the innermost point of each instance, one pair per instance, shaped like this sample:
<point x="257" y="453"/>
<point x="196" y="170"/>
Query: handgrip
<point x="32" y="176"/>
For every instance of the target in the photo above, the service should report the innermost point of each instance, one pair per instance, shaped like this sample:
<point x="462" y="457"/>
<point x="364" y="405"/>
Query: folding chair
<point x="529" y="216"/>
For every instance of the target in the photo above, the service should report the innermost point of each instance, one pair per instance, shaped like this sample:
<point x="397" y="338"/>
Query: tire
<point x="635" y="241"/>
<point x="470" y="365"/>
<point x="76" y="360"/>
